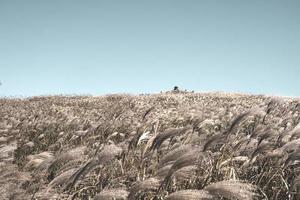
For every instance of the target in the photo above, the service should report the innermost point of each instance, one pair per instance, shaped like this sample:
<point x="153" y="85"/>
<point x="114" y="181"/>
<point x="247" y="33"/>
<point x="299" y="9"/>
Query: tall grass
<point x="161" y="146"/>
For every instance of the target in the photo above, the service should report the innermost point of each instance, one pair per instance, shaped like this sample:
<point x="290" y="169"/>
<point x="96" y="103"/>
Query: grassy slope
<point x="149" y="147"/>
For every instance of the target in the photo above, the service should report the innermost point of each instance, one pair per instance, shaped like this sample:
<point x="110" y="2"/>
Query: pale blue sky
<point x="99" y="47"/>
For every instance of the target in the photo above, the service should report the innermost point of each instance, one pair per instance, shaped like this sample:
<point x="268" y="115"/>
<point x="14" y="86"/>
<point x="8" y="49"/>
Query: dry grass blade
<point x="214" y="140"/>
<point x="257" y="131"/>
<point x="150" y="184"/>
<point x="162" y="172"/>
<point x="241" y="159"/>
<point x="291" y="146"/>
<point x="12" y="182"/>
<point x="35" y="161"/>
<point x="81" y="172"/>
<point x="232" y="189"/>
<point x="237" y="120"/>
<point x="145" y="136"/>
<point x="174" y="154"/>
<point x="160" y="138"/>
<point x="147" y="113"/>
<point x="262" y="148"/>
<point x="108" y="154"/>
<point x="295" y="134"/>
<point x="62" y="179"/>
<point x="13" y="191"/>
<point x="134" y="141"/>
<point x="10" y="174"/>
<point x="191" y="158"/>
<point x="6" y="151"/>
<point x="292" y="157"/>
<point x="185" y="173"/>
<point x="291" y="135"/>
<point x="265" y="136"/>
<point x="152" y="138"/>
<point x="112" y="194"/>
<point x="61" y="159"/>
<point x="190" y="195"/>
<point x="296" y="185"/>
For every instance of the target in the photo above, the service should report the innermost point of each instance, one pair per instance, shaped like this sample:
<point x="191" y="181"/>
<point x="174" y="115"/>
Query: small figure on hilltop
<point x="176" y="89"/>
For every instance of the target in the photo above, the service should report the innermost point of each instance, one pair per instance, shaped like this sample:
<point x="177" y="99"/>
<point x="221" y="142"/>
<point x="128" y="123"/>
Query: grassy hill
<point x="159" y="146"/>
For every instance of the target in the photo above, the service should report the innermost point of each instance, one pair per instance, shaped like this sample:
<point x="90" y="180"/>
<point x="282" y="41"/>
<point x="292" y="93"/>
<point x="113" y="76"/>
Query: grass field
<point x="171" y="146"/>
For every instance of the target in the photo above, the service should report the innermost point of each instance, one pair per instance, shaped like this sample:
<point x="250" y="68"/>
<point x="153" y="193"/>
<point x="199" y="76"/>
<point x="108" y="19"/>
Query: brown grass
<point x="161" y="146"/>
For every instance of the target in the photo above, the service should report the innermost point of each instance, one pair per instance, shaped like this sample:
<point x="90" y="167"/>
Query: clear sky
<point x="99" y="47"/>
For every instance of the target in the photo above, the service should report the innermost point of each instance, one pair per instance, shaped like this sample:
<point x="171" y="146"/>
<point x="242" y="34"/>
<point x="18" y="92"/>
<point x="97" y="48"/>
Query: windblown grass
<point x="162" y="146"/>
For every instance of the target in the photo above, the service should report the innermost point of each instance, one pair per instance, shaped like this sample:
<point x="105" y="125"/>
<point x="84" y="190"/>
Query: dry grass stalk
<point x="150" y="184"/>
<point x="190" y="195"/>
<point x="160" y="138"/>
<point x="214" y="140"/>
<point x="63" y="158"/>
<point x="112" y="194"/>
<point x="237" y="120"/>
<point x="174" y="154"/>
<point x="35" y="161"/>
<point x="62" y="179"/>
<point x="262" y="148"/>
<point x="107" y="154"/>
<point x="232" y="189"/>
<point x="192" y="158"/>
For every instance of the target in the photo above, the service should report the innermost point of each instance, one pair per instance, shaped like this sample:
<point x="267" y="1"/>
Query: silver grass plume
<point x="174" y="154"/>
<point x="61" y="179"/>
<point x="214" y="140"/>
<point x="190" y="195"/>
<point x="112" y="194"/>
<point x="107" y="154"/>
<point x="35" y="161"/>
<point x="232" y="189"/>
<point x="160" y="138"/>
<point x="63" y="158"/>
<point x="150" y="184"/>
<point x="193" y="158"/>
